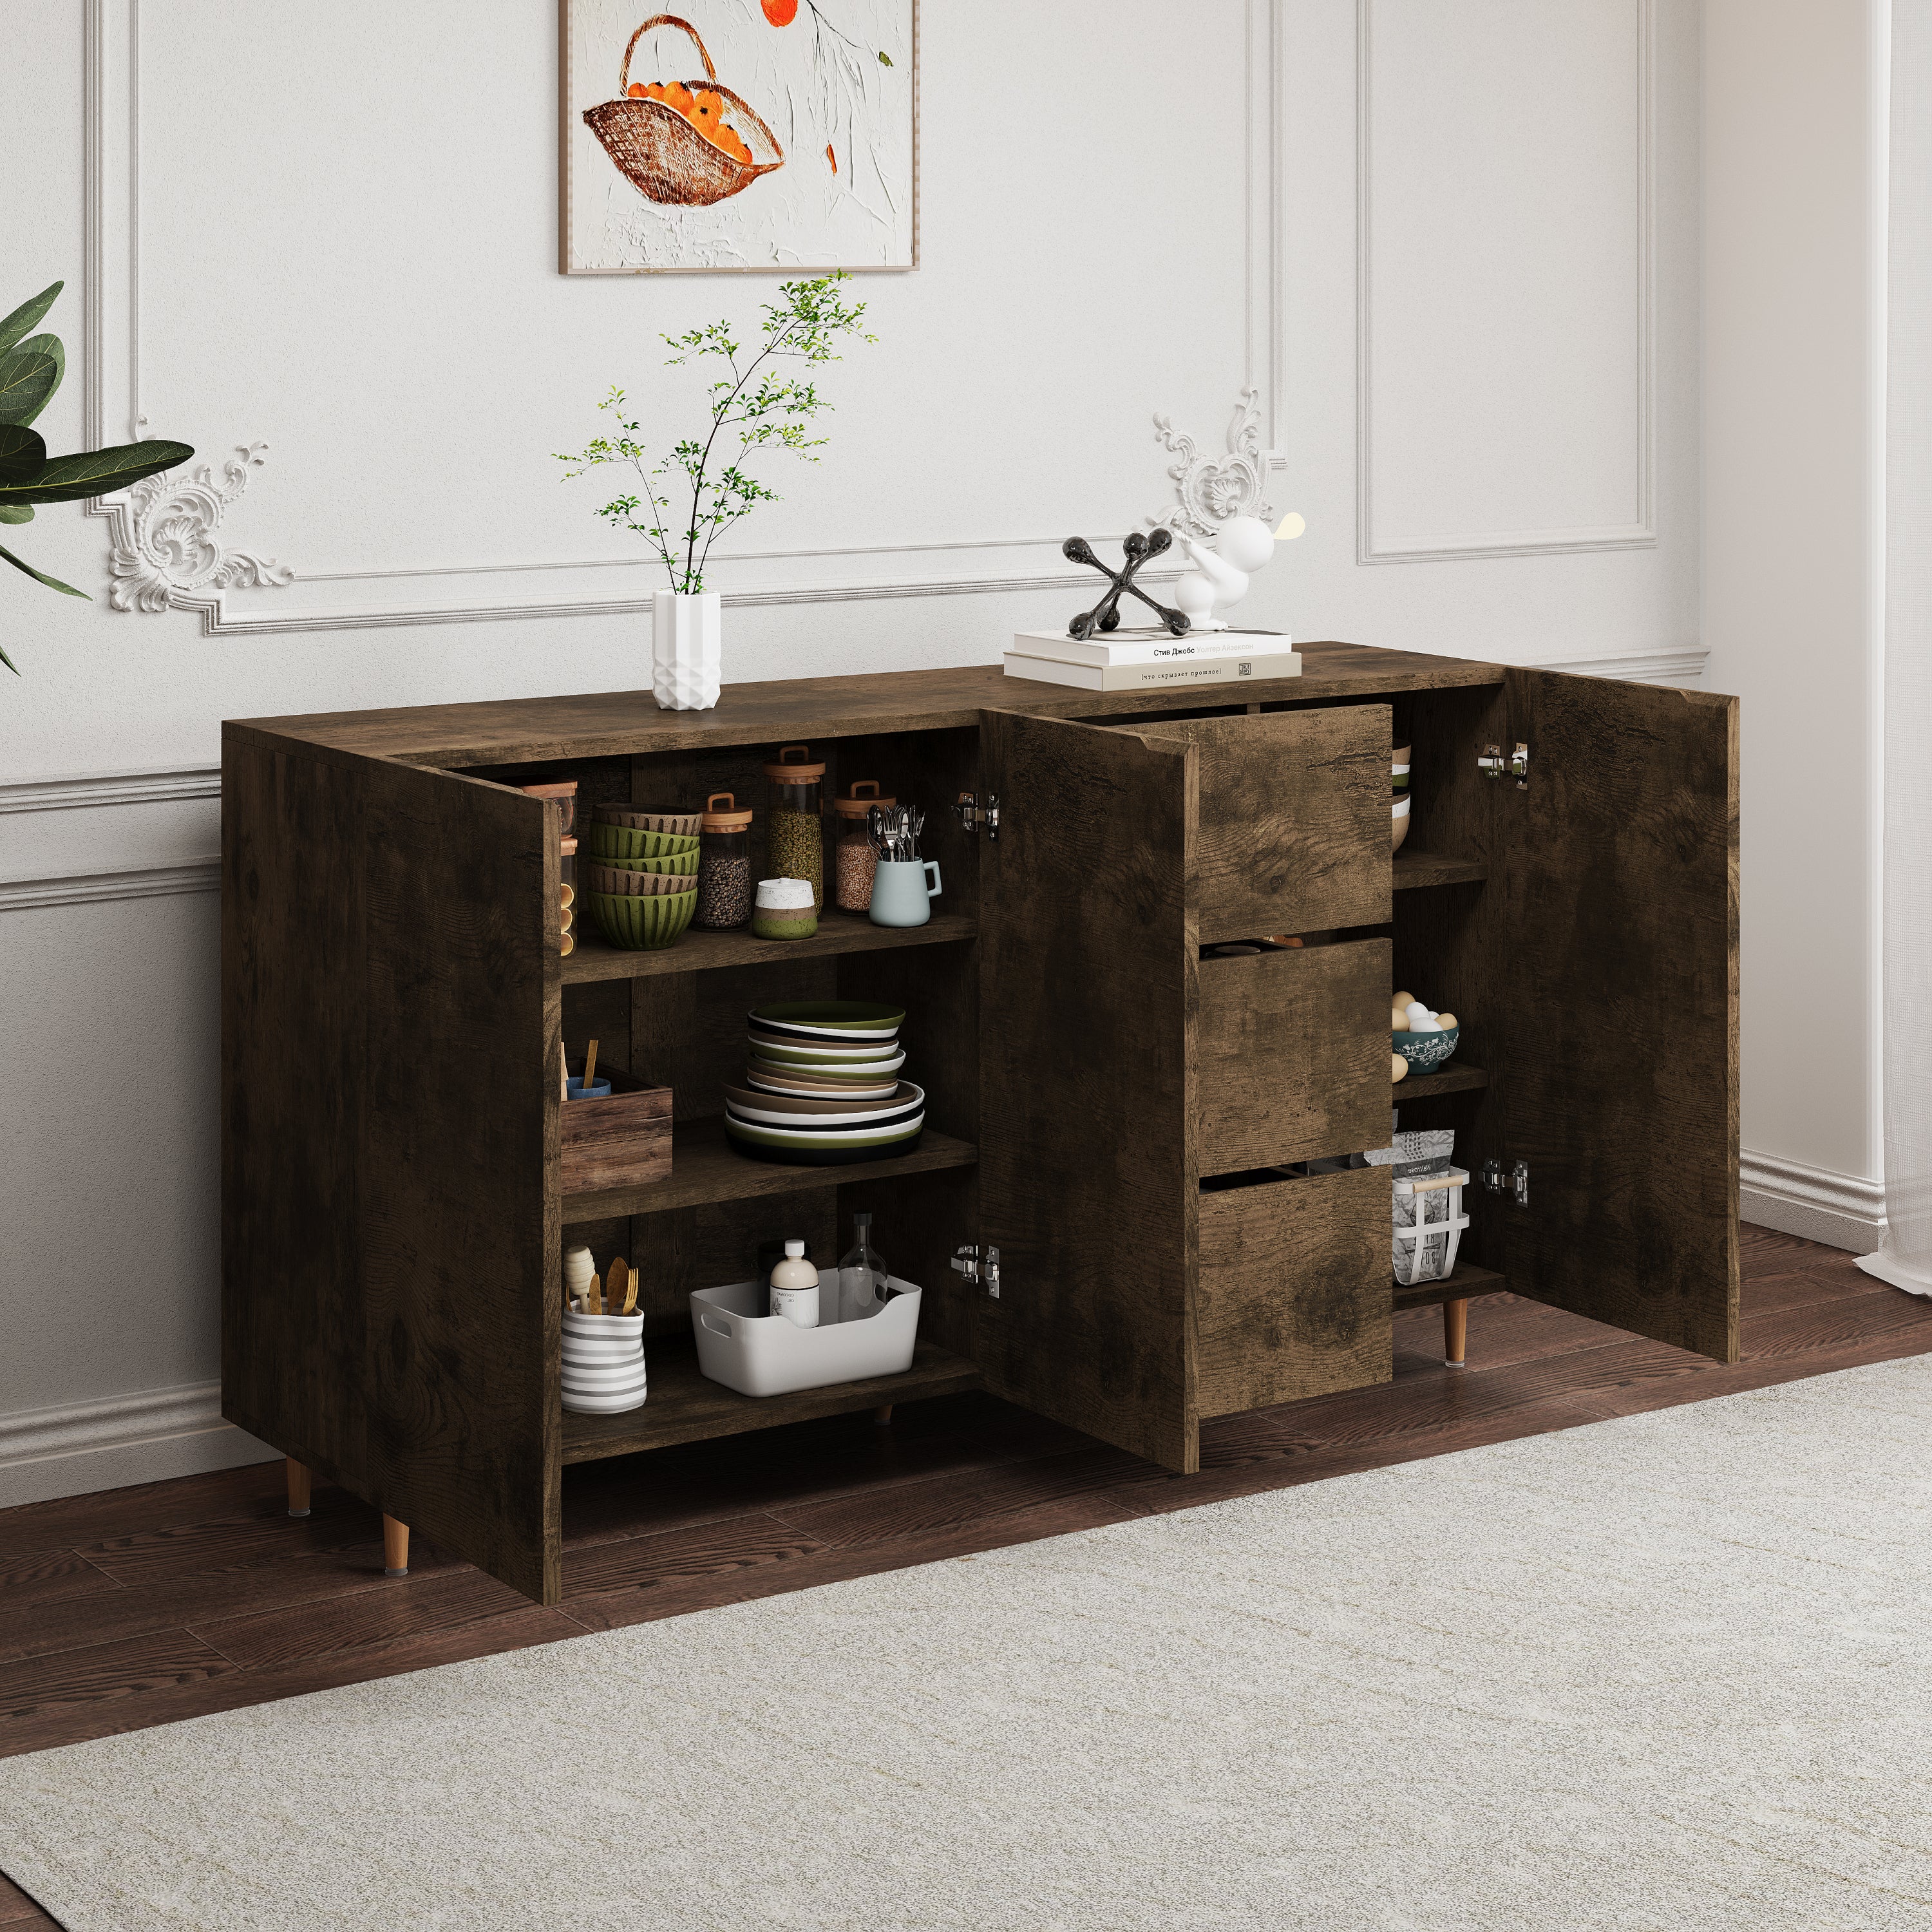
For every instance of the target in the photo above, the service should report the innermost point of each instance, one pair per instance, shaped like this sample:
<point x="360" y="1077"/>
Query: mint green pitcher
<point x="901" y="893"/>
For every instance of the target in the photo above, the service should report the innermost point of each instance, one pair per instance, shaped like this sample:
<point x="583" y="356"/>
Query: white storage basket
<point x="1428" y="1225"/>
<point x="741" y="1346"/>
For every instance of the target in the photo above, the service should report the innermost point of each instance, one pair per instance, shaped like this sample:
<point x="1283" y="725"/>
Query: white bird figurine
<point x="1220" y="578"/>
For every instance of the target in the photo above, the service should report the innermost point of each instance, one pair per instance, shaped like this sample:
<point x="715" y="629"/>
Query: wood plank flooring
<point x="138" y="1606"/>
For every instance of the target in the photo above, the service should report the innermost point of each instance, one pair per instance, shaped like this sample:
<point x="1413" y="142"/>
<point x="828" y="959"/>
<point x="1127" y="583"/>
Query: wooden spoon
<point x="590" y="1068"/>
<point x="623" y="1288"/>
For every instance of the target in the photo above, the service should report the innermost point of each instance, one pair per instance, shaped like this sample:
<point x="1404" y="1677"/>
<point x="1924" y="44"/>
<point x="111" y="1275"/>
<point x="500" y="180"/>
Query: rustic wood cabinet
<point x="1107" y="1109"/>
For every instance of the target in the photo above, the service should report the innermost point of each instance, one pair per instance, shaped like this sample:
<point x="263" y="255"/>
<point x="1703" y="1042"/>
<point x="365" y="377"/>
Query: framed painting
<point x="747" y="135"/>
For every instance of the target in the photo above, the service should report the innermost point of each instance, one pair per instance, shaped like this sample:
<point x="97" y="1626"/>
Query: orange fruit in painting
<point x="677" y="97"/>
<point x="636" y="90"/>
<point x="780" y="13"/>
<point x="705" y="108"/>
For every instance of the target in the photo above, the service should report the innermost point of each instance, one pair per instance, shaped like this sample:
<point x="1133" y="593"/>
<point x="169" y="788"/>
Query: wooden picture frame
<point x="681" y="173"/>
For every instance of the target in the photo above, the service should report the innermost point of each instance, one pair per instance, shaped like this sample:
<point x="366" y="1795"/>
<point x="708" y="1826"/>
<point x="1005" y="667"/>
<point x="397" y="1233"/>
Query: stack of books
<point x="1125" y="660"/>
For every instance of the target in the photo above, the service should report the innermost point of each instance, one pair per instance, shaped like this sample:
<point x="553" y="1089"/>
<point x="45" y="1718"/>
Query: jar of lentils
<point x="794" y="819"/>
<point x="853" y="860"/>
<point x="723" y="865"/>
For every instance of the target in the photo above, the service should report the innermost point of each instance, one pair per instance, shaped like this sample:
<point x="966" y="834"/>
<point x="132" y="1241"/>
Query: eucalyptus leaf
<point x="16" y="513"/>
<point x="24" y="317"/>
<point x="39" y="576"/>
<point x="22" y="455"/>
<point x="29" y="377"/>
<point x="67" y="478"/>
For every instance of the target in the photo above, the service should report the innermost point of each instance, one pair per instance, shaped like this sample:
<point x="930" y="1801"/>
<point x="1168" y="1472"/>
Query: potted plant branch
<point x="702" y="481"/>
<point x="30" y="372"/>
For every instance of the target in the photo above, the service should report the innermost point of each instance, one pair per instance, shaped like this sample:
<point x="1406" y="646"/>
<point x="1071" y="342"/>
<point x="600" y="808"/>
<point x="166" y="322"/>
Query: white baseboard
<point x="78" y="1447"/>
<point x="1841" y="1210"/>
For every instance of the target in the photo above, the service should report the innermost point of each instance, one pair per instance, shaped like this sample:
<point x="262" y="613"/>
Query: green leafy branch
<point x="31" y="370"/>
<point x="758" y="405"/>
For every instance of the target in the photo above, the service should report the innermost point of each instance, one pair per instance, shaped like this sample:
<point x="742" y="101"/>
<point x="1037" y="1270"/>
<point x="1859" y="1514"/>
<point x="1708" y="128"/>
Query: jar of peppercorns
<point x="853" y="859"/>
<point x="724" y="864"/>
<point x="794" y="824"/>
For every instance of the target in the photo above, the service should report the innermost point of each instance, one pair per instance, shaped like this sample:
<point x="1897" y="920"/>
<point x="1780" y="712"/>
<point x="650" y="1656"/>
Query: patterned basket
<point x="659" y="152"/>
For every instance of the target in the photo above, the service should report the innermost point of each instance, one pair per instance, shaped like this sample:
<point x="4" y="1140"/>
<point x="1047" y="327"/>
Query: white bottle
<point x="795" y="1287"/>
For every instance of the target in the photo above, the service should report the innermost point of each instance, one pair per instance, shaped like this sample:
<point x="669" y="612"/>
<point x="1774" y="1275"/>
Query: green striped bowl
<point x="643" y="925"/>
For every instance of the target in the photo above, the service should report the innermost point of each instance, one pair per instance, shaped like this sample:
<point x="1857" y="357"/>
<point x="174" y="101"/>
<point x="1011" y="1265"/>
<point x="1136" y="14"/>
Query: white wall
<point x="332" y="230"/>
<point x="1791" y="529"/>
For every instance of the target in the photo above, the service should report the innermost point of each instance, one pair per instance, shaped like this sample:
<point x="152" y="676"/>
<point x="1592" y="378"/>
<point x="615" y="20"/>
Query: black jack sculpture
<point x="1105" y="615"/>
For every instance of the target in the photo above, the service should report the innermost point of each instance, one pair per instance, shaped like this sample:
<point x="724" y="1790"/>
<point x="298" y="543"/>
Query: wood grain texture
<point x="621" y="1139"/>
<point x="389" y="962"/>
<point x="1294" y="826"/>
<point x="1621" y="1092"/>
<point x="684" y="1406"/>
<point x="839" y="932"/>
<point x="1088" y="1181"/>
<point x="1453" y="1078"/>
<point x="606" y="724"/>
<point x="1293" y="1065"/>
<point x="1465" y="1281"/>
<point x="1413" y="868"/>
<point x="1294" y="1297"/>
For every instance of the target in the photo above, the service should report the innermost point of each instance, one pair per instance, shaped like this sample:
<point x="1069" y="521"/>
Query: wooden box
<point x="620" y="1140"/>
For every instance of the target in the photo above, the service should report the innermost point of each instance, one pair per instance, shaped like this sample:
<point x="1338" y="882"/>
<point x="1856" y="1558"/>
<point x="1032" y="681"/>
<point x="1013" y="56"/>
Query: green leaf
<point x="39" y="576"/>
<point x="29" y="377"/>
<point x="68" y="477"/>
<point x="884" y="60"/>
<point x="24" y="317"/>
<point x="22" y="455"/>
<point x="16" y="513"/>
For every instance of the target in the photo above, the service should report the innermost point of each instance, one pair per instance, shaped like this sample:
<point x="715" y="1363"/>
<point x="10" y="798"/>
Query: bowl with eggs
<point x="1425" y="1040"/>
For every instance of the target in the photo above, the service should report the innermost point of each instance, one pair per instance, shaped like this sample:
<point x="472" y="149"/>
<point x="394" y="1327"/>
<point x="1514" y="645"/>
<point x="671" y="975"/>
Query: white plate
<point x="739" y="1111"/>
<point x="821" y="1051"/>
<point x="843" y="1070"/>
<point x="805" y="1091"/>
<point x="840" y="1136"/>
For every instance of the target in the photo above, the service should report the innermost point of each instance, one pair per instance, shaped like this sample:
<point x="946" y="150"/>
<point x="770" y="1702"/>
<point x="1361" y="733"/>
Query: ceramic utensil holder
<point x="603" y="1364"/>
<point x="902" y="891"/>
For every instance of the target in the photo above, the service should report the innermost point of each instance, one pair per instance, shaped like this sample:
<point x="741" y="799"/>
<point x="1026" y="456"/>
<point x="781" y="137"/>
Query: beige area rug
<point x="1672" y="1671"/>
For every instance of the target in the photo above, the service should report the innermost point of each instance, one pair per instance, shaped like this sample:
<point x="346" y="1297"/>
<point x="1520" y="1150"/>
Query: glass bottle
<point x="723" y="865"/>
<point x="794" y="823"/>
<point x="853" y="858"/>
<point x="864" y="1280"/>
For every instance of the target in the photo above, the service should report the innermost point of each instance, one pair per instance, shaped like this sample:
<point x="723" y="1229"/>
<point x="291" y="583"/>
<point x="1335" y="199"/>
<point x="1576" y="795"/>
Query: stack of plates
<point x="821" y="1085"/>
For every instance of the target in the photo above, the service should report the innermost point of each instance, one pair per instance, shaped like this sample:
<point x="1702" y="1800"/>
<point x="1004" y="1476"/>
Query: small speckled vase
<point x="687" y="650"/>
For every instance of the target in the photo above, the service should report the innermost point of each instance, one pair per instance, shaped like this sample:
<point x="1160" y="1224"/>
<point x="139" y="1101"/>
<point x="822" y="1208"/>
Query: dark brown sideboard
<point x="1105" y="1107"/>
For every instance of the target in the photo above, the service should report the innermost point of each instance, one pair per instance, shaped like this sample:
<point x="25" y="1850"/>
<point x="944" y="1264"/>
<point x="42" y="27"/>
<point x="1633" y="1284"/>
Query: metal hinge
<point x="979" y="1264"/>
<point x="973" y="814"/>
<point x="1492" y="764"/>
<point x="1517" y="1182"/>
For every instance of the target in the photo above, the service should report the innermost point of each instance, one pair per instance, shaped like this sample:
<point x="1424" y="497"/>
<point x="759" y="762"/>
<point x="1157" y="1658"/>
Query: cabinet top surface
<point x="615" y="723"/>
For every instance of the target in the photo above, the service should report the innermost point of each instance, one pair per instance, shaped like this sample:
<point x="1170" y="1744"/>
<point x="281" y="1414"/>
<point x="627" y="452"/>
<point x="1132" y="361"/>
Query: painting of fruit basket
<point x="739" y="134"/>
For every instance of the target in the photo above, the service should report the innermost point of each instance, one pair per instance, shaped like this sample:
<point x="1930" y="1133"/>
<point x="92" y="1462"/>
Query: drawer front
<point x="1295" y="1296"/>
<point x="1292" y="833"/>
<point x="1292" y="1057"/>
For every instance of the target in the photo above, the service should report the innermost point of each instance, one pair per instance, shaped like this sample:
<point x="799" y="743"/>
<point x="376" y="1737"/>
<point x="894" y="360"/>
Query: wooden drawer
<point x="1295" y="1295"/>
<point x="1292" y="1059"/>
<point x="1292" y="829"/>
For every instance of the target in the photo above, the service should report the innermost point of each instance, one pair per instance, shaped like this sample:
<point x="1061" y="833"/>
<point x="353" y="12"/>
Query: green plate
<point x="831" y="1017"/>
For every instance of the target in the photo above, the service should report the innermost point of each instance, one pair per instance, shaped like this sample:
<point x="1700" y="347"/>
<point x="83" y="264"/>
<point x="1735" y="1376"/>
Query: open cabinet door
<point x="1620" y="1084"/>
<point x="389" y="1192"/>
<point x="1088" y="979"/>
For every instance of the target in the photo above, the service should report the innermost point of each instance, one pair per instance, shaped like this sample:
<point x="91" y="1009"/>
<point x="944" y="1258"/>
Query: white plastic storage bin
<point x="758" y="1353"/>
<point x="1428" y="1225"/>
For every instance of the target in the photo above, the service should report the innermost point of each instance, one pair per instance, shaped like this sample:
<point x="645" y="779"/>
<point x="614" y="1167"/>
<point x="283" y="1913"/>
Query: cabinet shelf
<point x="683" y="1406"/>
<point x="705" y="1168"/>
<point x="1450" y="1080"/>
<point x="1434" y="868"/>
<point x="596" y="958"/>
<point x="1465" y="1279"/>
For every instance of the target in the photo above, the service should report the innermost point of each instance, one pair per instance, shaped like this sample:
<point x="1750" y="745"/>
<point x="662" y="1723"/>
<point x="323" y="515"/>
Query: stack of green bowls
<point x="642" y="875"/>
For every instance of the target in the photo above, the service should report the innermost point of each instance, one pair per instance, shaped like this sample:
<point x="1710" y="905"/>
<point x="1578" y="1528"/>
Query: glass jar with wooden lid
<point x="853" y="859"/>
<point x="724" y="864"/>
<point x="794" y="827"/>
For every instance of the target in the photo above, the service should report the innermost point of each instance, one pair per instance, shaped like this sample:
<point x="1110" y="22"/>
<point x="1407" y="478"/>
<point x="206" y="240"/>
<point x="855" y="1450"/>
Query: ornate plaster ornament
<point x="165" y="552"/>
<point x="1209" y="490"/>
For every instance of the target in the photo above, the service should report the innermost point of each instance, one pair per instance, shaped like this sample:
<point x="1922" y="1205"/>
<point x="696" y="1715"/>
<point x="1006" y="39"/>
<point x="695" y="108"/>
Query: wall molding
<point x="1640" y="535"/>
<point x="1841" y="1210"/>
<point x="157" y="784"/>
<point x="405" y="596"/>
<point x="36" y="892"/>
<point x="1685" y="666"/>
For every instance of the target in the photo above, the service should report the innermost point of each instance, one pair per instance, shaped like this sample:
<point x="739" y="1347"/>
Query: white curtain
<point x="1905" y="1259"/>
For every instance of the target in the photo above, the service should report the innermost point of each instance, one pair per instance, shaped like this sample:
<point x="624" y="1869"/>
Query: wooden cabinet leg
<point x="298" y="1488"/>
<point x="882" y="1415"/>
<point x="395" y="1547"/>
<point x="1455" y="1331"/>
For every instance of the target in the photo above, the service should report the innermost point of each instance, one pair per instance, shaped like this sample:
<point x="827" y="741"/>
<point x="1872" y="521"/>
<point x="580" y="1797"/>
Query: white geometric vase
<point x="687" y="650"/>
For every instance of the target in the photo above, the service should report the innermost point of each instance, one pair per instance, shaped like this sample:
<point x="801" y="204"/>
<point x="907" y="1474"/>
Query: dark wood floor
<point x="139" y="1606"/>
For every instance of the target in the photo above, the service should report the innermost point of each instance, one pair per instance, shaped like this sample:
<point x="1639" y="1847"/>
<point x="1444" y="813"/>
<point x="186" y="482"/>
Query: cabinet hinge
<point x="1493" y="764"/>
<point x="1516" y="1182"/>
<point x="973" y="814"/>
<point x="979" y="1264"/>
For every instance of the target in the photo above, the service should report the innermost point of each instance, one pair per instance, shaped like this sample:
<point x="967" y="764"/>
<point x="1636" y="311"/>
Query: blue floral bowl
<point x="1426" y="1051"/>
